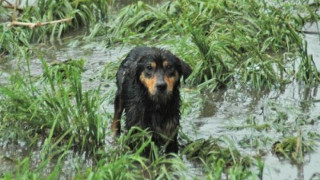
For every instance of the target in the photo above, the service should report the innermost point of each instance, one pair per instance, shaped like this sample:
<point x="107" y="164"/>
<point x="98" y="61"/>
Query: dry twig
<point x="37" y="24"/>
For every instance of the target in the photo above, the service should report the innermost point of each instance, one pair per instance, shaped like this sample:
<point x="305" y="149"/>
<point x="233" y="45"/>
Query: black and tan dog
<point x="148" y="82"/>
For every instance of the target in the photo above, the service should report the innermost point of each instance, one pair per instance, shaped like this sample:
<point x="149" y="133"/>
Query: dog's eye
<point x="149" y="67"/>
<point x="169" y="67"/>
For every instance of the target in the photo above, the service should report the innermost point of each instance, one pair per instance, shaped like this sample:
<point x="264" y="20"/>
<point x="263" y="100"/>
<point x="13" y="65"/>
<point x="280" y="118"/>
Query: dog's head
<point x="159" y="72"/>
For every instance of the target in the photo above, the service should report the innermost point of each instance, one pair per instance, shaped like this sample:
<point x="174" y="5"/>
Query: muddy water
<point x="233" y="108"/>
<point x="298" y="96"/>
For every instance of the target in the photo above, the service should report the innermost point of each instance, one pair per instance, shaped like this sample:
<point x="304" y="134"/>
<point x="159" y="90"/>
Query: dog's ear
<point x="133" y="68"/>
<point x="185" y="69"/>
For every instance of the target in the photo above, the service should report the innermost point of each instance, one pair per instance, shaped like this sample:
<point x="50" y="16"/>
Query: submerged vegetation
<point x="256" y="45"/>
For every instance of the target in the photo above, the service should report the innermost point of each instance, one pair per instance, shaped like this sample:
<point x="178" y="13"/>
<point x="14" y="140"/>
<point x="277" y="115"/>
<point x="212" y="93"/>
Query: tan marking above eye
<point x="153" y="65"/>
<point x="171" y="81"/>
<point x="149" y="83"/>
<point x="165" y="64"/>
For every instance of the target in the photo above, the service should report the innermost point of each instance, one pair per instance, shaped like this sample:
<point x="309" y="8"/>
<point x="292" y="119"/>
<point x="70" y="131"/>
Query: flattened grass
<point x="248" y="41"/>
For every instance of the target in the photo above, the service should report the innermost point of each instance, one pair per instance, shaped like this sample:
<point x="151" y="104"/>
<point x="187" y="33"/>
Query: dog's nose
<point x="161" y="86"/>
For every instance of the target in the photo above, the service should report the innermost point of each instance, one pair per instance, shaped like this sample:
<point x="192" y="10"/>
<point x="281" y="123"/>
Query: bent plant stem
<point x="14" y="14"/>
<point x="299" y="149"/>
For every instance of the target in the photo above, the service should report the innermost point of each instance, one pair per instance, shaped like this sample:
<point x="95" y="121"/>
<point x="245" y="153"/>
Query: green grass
<point x="56" y="102"/>
<point x="293" y="148"/>
<point x="226" y="42"/>
<point x="83" y="14"/>
<point x="248" y="41"/>
<point x="253" y="44"/>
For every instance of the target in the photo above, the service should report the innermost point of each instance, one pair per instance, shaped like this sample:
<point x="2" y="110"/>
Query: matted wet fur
<point x="148" y="82"/>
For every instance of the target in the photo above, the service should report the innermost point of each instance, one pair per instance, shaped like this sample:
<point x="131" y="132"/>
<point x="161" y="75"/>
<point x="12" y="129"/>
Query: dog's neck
<point x="172" y="105"/>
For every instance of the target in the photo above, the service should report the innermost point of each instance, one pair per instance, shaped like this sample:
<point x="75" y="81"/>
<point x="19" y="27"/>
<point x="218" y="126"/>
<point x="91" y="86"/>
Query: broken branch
<point x="37" y="24"/>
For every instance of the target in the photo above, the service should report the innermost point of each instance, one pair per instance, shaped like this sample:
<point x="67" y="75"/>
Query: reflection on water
<point x="275" y="169"/>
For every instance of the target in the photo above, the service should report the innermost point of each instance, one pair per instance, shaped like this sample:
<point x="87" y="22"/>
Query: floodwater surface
<point x="233" y="107"/>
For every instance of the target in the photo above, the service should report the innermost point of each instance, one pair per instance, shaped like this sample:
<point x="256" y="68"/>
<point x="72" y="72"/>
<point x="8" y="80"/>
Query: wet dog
<point x="148" y="82"/>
